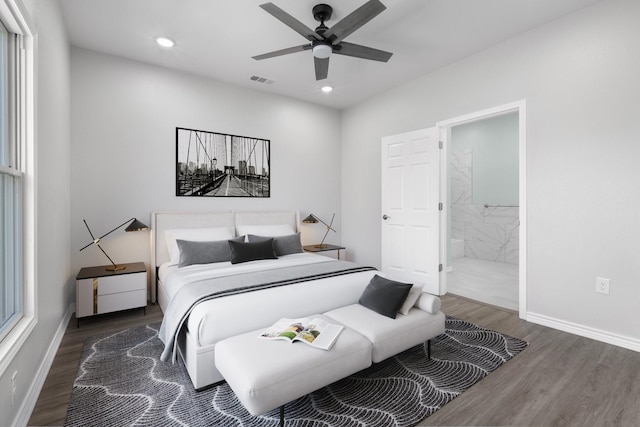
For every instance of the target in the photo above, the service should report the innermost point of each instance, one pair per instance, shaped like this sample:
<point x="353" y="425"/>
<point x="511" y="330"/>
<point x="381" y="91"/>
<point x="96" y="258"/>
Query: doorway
<point x="486" y="215"/>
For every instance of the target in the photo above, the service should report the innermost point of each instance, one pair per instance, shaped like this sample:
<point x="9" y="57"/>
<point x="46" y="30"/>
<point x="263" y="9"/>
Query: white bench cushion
<point x="266" y="374"/>
<point x="390" y="336"/>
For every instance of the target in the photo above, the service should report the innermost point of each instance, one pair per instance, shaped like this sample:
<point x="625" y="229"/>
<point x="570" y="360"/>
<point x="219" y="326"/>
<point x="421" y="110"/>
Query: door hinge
<point x="439" y="267"/>
<point x="440" y="206"/>
<point x="441" y="144"/>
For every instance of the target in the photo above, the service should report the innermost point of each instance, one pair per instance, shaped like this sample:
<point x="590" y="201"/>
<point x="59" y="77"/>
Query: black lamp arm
<point x="120" y="226"/>
<point x="88" y="229"/>
<point x="90" y="233"/>
<point x="104" y="235"/>
<point x="329" y="226"/>
<point x="105" y="254"/>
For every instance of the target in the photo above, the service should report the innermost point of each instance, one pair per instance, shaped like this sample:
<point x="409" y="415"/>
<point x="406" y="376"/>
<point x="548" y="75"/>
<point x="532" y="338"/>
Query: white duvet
<point x="216" y="319"/>
<point x="173" y="278"/>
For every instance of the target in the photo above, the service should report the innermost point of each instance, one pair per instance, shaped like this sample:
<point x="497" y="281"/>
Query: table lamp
<point x="312" y="219"/>
<point x="134" y="225"/>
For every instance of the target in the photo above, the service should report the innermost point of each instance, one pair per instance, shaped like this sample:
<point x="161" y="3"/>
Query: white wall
<point x="578" y="75"/>
<point x="53" y="284"/>
<point x="123" y="150"/>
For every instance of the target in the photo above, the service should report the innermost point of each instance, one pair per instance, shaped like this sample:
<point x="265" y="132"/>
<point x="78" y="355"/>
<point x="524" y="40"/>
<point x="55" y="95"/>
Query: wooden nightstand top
<point x="101" y="271"/>
<point x="325" y="247"/>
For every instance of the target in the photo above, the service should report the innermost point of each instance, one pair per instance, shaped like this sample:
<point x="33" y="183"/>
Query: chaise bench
<point x="267" y="374"/>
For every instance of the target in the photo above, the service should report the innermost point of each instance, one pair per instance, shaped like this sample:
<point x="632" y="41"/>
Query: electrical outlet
<point x="602" y="285"/>
<point x="13" y="387"/>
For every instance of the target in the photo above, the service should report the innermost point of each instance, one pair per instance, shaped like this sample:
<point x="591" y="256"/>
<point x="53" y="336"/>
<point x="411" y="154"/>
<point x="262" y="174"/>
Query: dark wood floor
<point x="51" y="408"/>
<point x="559" y="380"/>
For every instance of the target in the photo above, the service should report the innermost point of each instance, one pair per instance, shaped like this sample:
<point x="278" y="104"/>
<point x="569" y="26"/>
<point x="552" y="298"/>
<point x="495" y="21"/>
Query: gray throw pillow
<point x="282" y="245"/>
<point x="203" y="252"/>
<point x="384" y="296"/>
<point x="251" y="251"/>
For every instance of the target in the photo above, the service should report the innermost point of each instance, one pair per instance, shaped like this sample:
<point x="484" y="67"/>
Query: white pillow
<point x="429" y="303"/>
<point x="265" y="230"/>
<point x="412" y="298"/>
<point x="194" y="235"/>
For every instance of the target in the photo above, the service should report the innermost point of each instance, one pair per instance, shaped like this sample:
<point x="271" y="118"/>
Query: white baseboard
<point x="585" y="331"/>
<point x="29" y="404"/>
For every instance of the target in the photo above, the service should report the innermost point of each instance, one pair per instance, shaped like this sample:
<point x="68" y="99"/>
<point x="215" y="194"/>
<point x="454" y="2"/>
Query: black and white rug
<point x="122" y="382"/>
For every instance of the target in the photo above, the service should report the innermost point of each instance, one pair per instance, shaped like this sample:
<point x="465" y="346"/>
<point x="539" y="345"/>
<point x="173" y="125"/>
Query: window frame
<point x="10" y="188"/>
<point x="22" y="119"/>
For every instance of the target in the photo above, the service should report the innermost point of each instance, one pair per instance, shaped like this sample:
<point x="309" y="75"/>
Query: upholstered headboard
<point x="163" y="221"/>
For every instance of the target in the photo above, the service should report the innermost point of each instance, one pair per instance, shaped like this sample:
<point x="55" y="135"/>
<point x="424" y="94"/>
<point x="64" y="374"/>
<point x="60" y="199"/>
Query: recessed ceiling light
<point x="327" y="89"/>
<point x="165" y="42"/>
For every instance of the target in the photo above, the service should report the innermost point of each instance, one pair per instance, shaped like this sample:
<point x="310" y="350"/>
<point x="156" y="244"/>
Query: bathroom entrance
<point x="485" y="158"/>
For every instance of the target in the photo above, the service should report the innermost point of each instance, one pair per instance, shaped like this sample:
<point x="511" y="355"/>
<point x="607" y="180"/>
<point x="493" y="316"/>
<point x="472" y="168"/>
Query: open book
<point x="315" y="332"/>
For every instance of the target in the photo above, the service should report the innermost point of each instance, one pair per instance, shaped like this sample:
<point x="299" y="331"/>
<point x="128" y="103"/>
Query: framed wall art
<point x="211" y="164"/>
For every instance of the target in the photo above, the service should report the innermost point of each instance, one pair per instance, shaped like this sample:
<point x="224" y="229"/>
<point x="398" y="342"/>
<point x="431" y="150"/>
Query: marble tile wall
<point x="489" y="233"/>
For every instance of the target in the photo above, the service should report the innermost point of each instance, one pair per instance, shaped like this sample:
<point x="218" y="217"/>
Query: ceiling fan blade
<point x="354" y="20"/>
<point x="291" y="22"/>
<point x="322" y="67"/>
<point x="359" y="51"/>
<point x="282" y="52"/>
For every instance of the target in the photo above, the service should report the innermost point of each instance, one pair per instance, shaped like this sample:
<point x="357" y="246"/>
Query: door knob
<point x="385" y="217"/>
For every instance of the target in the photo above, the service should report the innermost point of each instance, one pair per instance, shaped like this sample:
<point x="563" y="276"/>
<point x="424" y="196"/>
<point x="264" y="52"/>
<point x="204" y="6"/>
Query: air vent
<point x="261" y="80"/>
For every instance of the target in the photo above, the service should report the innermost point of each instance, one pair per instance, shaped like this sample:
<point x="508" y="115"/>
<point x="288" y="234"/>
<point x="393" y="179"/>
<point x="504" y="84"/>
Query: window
<point x="17" y="183"/>
<point x="11" y="289"/>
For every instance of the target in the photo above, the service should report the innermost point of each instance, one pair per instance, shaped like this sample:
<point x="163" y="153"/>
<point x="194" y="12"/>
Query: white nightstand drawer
<point x="123" y="283"/>
<point x="122" y="301"/>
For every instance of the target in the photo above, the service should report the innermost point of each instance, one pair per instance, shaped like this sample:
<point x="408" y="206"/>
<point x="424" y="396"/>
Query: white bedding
<point x="216" y="319"/>
<point x="172" y="278"/>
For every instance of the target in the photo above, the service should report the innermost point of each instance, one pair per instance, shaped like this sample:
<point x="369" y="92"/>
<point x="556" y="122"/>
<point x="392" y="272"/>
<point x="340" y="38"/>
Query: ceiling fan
<point x="324" y="40"/>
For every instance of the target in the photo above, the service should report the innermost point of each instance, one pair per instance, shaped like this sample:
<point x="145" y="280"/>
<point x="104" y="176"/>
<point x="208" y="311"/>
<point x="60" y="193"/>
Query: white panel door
<point x="410" y="208"/>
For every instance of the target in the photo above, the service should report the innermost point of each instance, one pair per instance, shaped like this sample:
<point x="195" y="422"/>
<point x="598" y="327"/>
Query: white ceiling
<point x="217" y="38"/>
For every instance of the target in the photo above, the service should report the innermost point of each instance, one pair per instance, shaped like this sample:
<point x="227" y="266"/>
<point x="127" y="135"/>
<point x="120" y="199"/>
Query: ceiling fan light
<point x="165" y="42"/>
<point x="322" y="51"/>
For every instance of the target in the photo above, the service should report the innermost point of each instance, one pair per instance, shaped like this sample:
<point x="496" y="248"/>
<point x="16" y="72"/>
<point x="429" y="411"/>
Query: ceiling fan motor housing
<point x="322" y="12"/>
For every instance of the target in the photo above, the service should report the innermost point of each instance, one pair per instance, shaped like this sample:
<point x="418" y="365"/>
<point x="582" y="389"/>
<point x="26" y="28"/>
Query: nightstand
<point x="101" y="291"/>
<point x="324" y="248"/>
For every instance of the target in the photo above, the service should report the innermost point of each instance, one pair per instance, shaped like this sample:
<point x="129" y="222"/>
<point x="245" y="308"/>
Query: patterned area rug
<point x="122" y="382"/>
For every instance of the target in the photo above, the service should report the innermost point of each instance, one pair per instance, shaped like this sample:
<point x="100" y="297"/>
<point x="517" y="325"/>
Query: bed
<point x="248" y="295"/>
